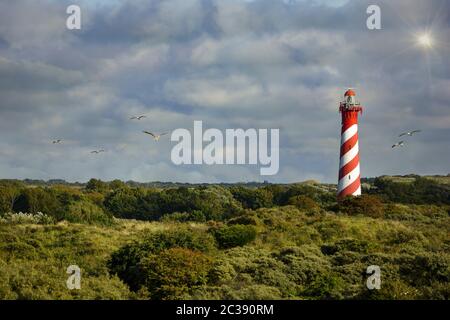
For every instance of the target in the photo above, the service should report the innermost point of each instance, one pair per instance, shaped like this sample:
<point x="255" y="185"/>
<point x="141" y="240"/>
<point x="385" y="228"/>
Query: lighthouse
<point x="349" y="183"/>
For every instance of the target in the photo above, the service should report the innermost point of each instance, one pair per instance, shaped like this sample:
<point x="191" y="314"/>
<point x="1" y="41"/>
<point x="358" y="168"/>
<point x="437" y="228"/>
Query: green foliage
<point x="127" y="203"/>
<point x="420" y="191"/>
<point x="368" y="205"/>
<point x="97" y="185"/>
<point x="326" y="286"/>
<point x="234" y="235"/>
<point x="174" y="272"/>
<point x="216" y="242"/>
<point x="304" y="203"/>
<point x="252" y="198"/>
<point x="212" y="203"/>
<point x="126" y="262"/>
<point x="39" y="200"/>
<point x="87" y="212"/>
<point x="8" y="197"/>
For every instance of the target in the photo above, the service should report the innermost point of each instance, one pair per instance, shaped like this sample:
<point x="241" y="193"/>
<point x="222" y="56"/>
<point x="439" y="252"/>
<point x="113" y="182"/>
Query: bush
<point x="326" y="286"/>
<point x="87" y="212"/>
<point x="174" y="272"/>
<point x="234" y="235"/>
<point x="304" y="203"/>
<point x="245" y="219"/>
<point x="39" y="200"/>
<point x="367" y="205"/>
<point x="253" y="198"/>
<point x="126" y="262"/>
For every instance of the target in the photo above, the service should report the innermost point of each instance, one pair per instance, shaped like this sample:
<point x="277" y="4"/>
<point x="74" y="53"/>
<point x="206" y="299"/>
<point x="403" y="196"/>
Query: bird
<point x="98" y="151"/>
<point x="138" y="117"/>
<point x="399" y="144"/>
<point x="56" y="141"/>
<point x="409" y="133"/>
<point x="156" y="137"/>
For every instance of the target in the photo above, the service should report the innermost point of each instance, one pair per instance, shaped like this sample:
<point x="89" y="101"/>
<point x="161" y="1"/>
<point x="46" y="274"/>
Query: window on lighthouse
<point x="350" y="100"/>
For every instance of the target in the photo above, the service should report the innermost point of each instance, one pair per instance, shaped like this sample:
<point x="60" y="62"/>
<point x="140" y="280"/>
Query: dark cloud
<point x="230" y="63"/>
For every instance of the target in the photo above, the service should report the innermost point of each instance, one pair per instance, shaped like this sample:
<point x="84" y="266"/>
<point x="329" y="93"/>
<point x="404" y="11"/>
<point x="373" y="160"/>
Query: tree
<point x="8" y="197"/>
<point x="96" y="185"/>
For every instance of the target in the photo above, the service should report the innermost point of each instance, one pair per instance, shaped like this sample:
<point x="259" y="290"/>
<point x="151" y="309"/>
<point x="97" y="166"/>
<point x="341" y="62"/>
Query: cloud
<point x="231" y="64"/>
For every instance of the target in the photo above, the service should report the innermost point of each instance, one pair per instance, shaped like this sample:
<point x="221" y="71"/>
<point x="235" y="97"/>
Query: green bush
<point x="304" y="203"/>
<point x="252" y="198"/>
<point x="126" y="262"/>
<point x="234" y="235"/>
<point x="367" y="205"/>
<point x="87" y="212"/>
<point x="174" y="272"/>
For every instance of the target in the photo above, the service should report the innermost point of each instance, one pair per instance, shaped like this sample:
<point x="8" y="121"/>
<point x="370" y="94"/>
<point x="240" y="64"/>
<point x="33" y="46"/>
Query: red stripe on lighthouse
<point x="349" y="144"/>
<point x="351" y="189"/>
<point x="349" y="167"/>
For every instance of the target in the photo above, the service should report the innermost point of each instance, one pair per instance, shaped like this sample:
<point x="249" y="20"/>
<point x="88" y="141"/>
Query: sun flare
<point x="425" y="40"/>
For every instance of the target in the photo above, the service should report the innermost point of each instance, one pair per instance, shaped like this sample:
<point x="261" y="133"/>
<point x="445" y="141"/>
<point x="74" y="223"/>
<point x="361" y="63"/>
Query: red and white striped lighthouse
<point x="349" y="171"/>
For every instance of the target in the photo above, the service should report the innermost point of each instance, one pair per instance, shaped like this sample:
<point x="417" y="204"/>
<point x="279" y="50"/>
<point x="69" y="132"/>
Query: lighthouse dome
<point x="349" y="93"/>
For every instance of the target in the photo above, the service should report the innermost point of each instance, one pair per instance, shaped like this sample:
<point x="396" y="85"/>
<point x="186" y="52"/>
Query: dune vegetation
<point x="225" y="241"/>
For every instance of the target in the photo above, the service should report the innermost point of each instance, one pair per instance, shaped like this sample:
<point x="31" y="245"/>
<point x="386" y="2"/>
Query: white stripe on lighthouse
<point x="357" y="192"/>
<point x="350" y="132"/>
<point x="348" y="156"/>
<point x="349" y="178"/>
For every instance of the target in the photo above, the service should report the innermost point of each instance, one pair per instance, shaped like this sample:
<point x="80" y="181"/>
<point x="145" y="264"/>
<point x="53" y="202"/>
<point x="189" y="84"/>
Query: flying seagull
<point x="156" y="137"/>
<point x="409" y="133"/>
<point x="56" y="141"/>
<point x="398" y="144"/>
<point x="98" y="151"/>
<point x="138" y="117"/>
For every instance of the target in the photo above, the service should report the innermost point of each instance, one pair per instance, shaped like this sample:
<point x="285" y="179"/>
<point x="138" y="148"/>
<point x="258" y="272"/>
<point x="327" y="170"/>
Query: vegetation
<point x="225" y="242"/>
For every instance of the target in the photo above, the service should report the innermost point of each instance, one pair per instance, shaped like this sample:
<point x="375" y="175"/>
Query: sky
<point x="281" y="64"/>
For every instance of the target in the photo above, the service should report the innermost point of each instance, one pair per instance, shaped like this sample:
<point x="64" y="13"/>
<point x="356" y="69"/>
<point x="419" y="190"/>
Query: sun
<point x="425" y="40"/>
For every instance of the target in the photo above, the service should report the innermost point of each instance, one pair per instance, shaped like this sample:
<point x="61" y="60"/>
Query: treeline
<point x="99" y="202"/>
<point x="130" y="183"/>
<point x="420" y="191"/>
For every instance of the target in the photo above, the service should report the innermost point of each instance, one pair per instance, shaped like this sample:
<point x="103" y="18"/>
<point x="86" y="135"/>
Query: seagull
<point x="138" y="117"/>
<point x="98" y="151"/>
<point x="398" y="144"/>
<point x="156" y="137"/>
<point x="409" y="133"/>
<point x="56" y="141"/>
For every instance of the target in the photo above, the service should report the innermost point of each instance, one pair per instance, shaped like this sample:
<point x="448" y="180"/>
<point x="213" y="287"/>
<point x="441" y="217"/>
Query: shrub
<point x="326" y="286"/>
<point x="367" y="205"/>
<point x="355" y="245"/>
<point x="174" y="272"/>
<point x="87" y="212"/>
<point x="304" y="203"/>
<point x="125" y="262"/>
<point x="245" y="219"/>
<point x="253" y="198"/>
<point x="39" y="200"/>
<point x="234" y="235"/>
